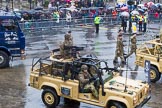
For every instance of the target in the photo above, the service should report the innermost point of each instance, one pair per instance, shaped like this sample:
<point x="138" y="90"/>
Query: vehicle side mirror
<point x="158" y="58"/>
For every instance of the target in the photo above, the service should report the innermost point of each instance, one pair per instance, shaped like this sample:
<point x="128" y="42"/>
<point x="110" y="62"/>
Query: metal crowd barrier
<point x="51" y="23"/>
<point x="37" y="24"/>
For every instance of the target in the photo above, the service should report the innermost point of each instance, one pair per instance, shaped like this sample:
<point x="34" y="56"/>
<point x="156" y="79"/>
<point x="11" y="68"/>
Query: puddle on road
<point x="12" y="87"/>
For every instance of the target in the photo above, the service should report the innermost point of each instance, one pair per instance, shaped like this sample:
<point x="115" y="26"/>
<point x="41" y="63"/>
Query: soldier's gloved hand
<point x="92" y="79"/>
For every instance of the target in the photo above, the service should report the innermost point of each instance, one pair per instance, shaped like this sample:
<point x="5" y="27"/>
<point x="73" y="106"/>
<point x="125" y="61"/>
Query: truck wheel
<point x="4" y="59"/>
<point x="116" y="105"/>
<point x="154" y="74"/>
<point x="50" y="98"/>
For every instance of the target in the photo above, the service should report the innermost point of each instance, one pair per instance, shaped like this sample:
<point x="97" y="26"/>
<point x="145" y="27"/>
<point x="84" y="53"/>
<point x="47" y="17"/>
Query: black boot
<point x="123" y="62"/>
<point x="115" y="61"/>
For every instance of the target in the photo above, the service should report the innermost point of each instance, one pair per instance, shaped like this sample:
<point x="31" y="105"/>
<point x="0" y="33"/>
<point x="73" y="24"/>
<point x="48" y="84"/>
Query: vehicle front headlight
<point x="135" y="98"/>
<point x="146" y="90"/>
<point x="22" y="51"/>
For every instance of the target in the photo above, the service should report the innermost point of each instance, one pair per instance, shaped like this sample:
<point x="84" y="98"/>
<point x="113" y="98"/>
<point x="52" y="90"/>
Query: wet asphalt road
<point x="14" y="89"/>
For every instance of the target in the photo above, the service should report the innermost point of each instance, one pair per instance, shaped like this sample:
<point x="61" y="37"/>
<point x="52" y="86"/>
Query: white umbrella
<point x="141" y="5"/>
<point x="71" y="9"/>
<point x="126" y="14"/>
<point x="145" y="8"/>
<point x="111" y="8"/>
<point x="135" y="12"/>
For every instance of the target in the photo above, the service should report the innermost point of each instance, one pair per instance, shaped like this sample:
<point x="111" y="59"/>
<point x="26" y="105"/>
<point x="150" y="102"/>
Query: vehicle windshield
<point x="151" y="49"/>
<point x="9" y="25"/>
<point x="105" y="72"/>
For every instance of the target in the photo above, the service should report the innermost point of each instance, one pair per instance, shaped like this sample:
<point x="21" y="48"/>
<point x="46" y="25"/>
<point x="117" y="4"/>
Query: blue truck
<point x="12" y="39"/>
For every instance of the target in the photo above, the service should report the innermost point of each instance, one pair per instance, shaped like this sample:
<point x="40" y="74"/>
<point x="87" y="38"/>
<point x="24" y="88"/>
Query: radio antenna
<point x="125" y="88"/>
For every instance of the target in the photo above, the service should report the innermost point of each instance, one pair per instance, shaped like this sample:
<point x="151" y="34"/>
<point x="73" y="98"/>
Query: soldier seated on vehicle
<point x="86" y="81"/>
<point x="158" y="50"/>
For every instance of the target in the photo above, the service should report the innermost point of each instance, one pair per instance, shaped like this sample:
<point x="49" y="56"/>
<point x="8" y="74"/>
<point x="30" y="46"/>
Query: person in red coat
<point x="156" y="15"/>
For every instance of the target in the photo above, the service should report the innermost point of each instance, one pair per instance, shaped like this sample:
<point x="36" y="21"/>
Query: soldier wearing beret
<point x="133" y="45"/>
<point x="119" y="48"/>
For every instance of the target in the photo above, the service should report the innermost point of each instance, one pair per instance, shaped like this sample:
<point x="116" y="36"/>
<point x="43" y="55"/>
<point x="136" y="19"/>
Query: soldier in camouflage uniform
<point x="119" y="49"/>
<point x="158" y="50"/>
<point x="133" y="45"/>
<point x="68" y="41"/>
<point x="85" y="78"/>
<point x="160" y="35"/>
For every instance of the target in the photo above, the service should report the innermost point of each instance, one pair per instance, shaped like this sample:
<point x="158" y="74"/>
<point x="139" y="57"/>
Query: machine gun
<point x="72" y="50"/>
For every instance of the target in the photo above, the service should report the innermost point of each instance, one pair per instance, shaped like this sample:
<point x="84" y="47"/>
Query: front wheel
<point x="154" y="74"/>
<point x="116" y="105"/>
<point x="4" y="59"/>
<point x="50" y="98"/>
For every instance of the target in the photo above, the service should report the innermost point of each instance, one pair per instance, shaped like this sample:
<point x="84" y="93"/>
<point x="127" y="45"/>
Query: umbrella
<point x="135" y="12"/>
<point x="150" y="4"/>
<point x="126" y="14"/>
<point x="124" y="8"/>
<point x="111" y="8"/>
<point x="144" y="8"/>
<point x="52" y="8"/>
<point x="141" y="10"/>
<point x="158" y="4"/>
<point x="38" y="8"/>
<point x="71" y="9"/>
<point x="153" y="7"/>
<point x="141" y="5"/>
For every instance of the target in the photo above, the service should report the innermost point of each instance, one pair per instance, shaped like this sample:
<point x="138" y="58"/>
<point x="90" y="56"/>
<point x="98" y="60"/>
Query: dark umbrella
<point x="153" y="7"/>
<point x="38" y="8"/>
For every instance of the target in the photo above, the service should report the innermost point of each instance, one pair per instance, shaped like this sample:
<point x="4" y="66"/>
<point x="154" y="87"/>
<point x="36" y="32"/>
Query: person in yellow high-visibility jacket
<point x="97" y="22"/>
<point x="140" y="22"/>
<point x="145" y="23"/>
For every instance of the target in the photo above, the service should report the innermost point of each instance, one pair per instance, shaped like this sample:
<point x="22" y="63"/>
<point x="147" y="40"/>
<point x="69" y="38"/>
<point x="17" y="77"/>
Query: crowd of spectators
<point x="64" y="13"/>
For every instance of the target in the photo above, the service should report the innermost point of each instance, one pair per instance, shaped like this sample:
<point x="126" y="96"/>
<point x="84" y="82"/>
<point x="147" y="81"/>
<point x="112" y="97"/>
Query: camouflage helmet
<point x="84" y="67"/>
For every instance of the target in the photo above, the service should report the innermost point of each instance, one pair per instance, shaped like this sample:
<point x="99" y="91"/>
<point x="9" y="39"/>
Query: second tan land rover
<point x="151" y="51"/>
<point x="58" y="77"/>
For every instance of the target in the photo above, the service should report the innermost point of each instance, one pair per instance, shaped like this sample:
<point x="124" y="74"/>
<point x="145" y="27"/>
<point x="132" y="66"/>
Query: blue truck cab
<point x="12" y="39"/>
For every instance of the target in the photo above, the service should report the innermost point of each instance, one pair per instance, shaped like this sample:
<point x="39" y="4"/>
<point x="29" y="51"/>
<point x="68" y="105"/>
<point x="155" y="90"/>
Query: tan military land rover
<point x="151" y="51"/>
<point x="58" y="77"/>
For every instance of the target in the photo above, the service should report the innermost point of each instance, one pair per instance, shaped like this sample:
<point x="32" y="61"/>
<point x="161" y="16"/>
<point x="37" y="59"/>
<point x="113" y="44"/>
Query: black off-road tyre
<point x="114" y="104"/>
<point x="154" y="74"/>
<point x="4" y="59"/>
<point x="50" y="98"/>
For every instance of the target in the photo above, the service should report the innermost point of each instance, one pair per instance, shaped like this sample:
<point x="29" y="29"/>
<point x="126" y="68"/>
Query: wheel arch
<point x="116" y="99"/>
<point x="50" y="86"/>
<point x="155" y="65"/>
<point x="5" y="50"/>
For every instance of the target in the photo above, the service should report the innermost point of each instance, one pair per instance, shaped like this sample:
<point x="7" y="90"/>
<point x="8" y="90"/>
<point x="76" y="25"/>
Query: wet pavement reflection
<point x="14" y="90"/>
